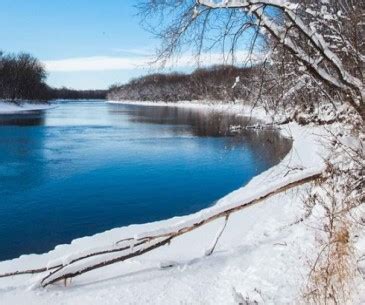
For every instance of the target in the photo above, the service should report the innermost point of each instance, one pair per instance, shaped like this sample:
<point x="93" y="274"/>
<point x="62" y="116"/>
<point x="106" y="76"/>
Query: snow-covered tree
<point x="321" y="42"/>
<point x="313" y="72"/>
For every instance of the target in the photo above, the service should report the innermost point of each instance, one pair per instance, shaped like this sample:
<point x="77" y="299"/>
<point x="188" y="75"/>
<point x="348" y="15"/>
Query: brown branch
<point x="220" y="233"/>
<point x="30" y="271"/>
<point x="156" y="241"/>
<point x="168" y="237"/>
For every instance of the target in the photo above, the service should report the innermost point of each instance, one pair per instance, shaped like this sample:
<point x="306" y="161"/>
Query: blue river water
<point x="86" y="167"/>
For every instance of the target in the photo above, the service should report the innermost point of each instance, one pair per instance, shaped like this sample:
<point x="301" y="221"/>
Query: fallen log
<point x="146" y="244"/>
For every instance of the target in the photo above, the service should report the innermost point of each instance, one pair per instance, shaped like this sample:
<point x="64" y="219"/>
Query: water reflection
<point x="21" y="153"/>
<point x="267" y="144"/>
<point x="198" y="123"/>
<point x="30" y="118"/>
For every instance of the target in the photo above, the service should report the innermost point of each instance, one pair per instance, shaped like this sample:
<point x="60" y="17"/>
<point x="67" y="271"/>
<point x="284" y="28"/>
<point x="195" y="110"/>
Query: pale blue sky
<point x="84" y="44"/>
<point x="76" y="29"/>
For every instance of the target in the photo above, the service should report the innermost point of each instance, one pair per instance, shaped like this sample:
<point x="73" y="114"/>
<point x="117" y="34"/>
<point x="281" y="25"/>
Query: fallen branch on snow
<point x="132" y="247"/>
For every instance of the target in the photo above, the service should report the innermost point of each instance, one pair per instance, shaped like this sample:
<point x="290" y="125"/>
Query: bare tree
<point x="315" y="60"/>
<point x="322" y="41"/>
<point x="22" y="77"/>
<point x="313" y="71"/>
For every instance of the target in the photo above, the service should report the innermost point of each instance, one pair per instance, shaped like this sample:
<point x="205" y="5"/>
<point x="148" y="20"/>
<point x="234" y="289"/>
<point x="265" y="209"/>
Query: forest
<point x="216" y="83"/>
<point x="23" y="78"/>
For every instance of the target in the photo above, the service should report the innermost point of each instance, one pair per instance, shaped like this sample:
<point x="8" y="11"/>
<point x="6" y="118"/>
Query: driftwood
<point x="144" y="245"/>
<point x="44" y="269"/>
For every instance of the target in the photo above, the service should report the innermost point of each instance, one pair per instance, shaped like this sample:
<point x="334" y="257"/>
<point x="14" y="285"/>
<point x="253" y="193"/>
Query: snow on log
<point x="92" y="259"/>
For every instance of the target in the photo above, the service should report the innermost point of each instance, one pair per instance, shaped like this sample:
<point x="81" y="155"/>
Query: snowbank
<point x="261" y="255"/>
<point x="11" y="108"/>
<point x="235" y="108"/>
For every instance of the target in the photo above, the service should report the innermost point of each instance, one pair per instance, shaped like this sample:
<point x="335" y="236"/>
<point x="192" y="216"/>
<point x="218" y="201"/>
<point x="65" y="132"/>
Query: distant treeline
<point x="215" y="83"/>
<point x="23" y="77"/>
<point x="71" y="94"/>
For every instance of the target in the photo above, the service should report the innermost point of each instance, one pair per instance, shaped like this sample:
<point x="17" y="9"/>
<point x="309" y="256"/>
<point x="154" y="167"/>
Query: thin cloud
<point x="109" y="63"/>
<point x="147" y="51"/>
<point x="95" y="63"/>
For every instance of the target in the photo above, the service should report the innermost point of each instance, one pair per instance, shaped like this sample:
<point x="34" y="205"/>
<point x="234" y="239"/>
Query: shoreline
<point x="306" y="154"/>
<point x="26" y="107"/>
<point x="233" y="108"/>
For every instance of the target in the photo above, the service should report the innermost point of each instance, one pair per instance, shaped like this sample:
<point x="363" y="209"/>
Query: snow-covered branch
<point x="92" y="259"/>
<point x="340" y="77"/>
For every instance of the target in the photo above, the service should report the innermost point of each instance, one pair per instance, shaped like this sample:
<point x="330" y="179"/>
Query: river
<point x="86" y="167"/>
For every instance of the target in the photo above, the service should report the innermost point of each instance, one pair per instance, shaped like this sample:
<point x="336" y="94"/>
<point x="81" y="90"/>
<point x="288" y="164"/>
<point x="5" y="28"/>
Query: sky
<point x="84" y="44"/>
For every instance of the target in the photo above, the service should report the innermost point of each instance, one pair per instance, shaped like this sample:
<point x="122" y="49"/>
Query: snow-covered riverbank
<point x="12" y="108"/>
<point x="262" y="254"/>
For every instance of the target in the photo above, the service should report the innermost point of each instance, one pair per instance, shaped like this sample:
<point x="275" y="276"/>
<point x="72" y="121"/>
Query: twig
<point x="218" y="236"/>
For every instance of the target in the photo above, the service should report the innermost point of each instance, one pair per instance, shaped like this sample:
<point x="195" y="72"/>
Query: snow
<point x="237" y="80"/>
<point x="261" y="255"/>
<point x="11" y="108"/>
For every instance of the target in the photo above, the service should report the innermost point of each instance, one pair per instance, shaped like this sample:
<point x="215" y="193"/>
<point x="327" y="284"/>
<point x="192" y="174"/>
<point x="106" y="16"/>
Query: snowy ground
<point x="11" y="108"/>
<point x="262" y="254"/>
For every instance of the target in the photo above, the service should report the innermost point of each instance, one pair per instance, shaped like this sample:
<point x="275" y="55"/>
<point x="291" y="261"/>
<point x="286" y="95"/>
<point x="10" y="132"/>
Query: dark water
<point x="86" y="167"/>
